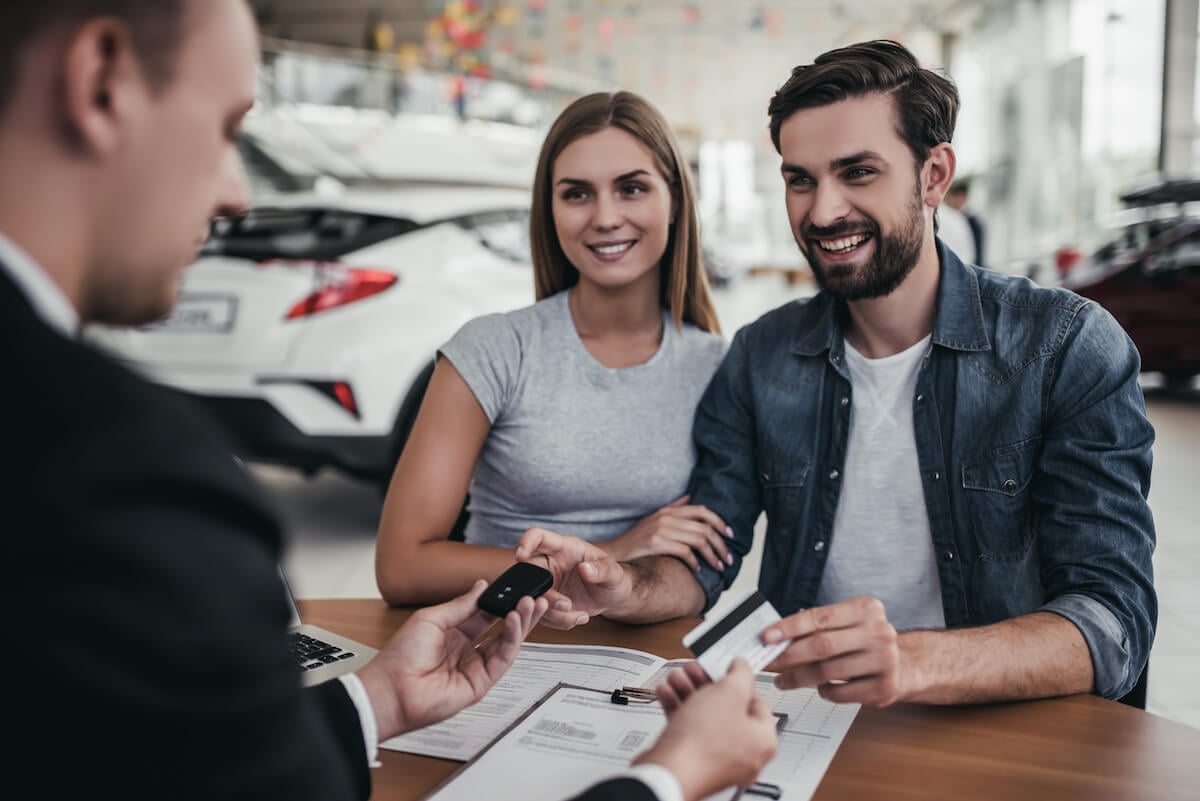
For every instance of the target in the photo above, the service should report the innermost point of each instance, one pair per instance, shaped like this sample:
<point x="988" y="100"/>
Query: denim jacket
<point x="1033" y="444"/>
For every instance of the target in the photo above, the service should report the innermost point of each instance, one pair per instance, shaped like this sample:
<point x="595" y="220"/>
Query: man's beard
<point x="893" y="258"/>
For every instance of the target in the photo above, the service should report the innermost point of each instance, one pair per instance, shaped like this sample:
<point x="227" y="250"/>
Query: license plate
<point x="201" y="314"/>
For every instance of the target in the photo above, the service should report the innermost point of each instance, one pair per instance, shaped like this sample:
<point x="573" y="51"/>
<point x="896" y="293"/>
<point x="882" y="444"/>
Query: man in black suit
<point x="140" y="596"/>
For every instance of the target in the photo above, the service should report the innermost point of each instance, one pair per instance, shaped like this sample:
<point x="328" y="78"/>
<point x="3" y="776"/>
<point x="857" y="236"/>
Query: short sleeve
<point x="487" y="353"/>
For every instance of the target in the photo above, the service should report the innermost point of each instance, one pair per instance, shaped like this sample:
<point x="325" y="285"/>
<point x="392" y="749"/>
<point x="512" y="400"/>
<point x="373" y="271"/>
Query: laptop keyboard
<point x="312" y="653"/>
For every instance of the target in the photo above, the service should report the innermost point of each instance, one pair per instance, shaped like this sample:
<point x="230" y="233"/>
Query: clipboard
<point x="567" y="742"/>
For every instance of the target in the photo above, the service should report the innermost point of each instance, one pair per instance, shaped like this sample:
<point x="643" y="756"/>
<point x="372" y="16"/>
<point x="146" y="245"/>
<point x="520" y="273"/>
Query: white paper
<point x="537" y="669"/>
<point x="573" y="740"/>
<point x="577" y="738"/>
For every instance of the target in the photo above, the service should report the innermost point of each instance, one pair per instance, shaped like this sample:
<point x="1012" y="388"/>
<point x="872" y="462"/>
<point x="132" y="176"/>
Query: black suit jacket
<point x="140" y="598"/>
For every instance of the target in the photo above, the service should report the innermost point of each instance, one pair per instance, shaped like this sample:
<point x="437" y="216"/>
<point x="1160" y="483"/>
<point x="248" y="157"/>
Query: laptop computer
<point x="320" y="654"/>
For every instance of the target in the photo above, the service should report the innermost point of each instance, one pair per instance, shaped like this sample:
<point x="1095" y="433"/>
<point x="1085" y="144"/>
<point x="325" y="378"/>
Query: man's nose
<point x="234" y="196"/>
<point x="829" y="205"/>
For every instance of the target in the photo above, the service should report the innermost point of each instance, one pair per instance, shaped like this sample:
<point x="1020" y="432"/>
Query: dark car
<point x="1148" y="277"/>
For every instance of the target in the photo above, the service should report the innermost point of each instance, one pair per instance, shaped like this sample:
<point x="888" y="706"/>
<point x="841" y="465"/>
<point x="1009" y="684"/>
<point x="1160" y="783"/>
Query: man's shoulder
<point x="1015" y="294"/>
<point x="786" y="324"/>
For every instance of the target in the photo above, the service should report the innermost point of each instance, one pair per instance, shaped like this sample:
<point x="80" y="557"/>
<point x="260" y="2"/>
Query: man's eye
<point x="855" y="173"/>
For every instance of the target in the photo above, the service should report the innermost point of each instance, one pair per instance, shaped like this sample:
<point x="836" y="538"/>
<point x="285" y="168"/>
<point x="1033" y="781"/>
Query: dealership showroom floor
<point x="333" y="522"/>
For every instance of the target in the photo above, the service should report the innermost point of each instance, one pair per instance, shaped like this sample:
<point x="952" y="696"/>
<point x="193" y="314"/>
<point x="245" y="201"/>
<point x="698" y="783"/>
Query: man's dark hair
<point x="926" y="102"/>
<point x="156" y="27"/>
<point x="960" y="186"/>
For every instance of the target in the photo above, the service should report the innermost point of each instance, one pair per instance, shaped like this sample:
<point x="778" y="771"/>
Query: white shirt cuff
<point x="366" y="716"/>
<point x="661" y="781"/>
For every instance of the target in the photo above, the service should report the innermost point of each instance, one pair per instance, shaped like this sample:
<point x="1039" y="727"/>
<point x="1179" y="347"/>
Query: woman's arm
<point x="415" y="564"/>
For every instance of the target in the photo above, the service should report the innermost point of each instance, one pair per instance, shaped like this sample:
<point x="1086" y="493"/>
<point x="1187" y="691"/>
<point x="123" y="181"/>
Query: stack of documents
<point x="555" y="741"/>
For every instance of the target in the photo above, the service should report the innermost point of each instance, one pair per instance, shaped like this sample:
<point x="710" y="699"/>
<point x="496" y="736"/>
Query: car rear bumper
<point x="262" y="434"/>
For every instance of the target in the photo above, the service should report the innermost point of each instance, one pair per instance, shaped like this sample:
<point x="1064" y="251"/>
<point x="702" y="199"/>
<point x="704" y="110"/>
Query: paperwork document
<point x="576" y="737"/>
<point x="536" y="670"/>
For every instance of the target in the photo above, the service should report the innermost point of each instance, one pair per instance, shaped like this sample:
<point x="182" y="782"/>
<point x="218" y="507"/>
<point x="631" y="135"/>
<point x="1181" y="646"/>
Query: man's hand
<point x="718" y="735"/>
<point x="677" y="529"/>
<point x="429" y="669"/>
<point x="587" y="581"/>
<point x="848" y="651"/>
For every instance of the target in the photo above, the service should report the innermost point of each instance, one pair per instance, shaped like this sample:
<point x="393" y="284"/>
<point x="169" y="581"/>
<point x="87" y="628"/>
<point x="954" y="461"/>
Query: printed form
<point x="577" y="737"/>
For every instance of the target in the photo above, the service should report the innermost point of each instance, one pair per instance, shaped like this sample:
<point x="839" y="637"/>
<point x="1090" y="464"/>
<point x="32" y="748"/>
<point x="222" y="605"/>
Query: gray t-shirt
<point x="575" y="446"/>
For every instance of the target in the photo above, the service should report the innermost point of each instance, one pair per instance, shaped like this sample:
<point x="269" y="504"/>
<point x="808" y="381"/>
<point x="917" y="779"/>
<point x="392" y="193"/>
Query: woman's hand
<point x="678" y="530"/>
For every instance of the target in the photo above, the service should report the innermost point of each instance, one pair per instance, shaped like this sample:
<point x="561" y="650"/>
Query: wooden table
<point x="1080" y="747"/>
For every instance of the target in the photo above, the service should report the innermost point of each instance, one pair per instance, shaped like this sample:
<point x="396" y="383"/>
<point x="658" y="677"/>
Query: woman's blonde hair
<point x="684" y="285"/>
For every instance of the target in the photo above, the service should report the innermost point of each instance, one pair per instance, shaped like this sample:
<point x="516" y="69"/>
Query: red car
<point x="1149" y="279"/>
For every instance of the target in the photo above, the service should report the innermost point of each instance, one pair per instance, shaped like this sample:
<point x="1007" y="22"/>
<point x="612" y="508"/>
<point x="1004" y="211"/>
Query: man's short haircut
<point x="926" y="103"/>
<point x="960" y="186"/>
<point x="156" y="26"/>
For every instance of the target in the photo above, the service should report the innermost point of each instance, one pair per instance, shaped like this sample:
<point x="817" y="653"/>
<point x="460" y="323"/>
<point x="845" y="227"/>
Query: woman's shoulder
<point x="701" y="344"/>
<point x="519" y="324"/>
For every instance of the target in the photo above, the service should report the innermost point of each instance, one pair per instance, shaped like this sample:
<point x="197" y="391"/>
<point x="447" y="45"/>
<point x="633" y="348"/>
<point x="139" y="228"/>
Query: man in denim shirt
<point x="954" y="464"/>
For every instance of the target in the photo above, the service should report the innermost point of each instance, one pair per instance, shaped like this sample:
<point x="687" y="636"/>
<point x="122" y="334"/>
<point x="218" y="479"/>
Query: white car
<point x="310" y="326"/>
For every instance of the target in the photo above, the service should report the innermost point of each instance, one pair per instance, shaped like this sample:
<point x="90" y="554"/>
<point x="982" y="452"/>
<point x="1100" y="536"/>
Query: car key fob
<point x="521" y="579"/>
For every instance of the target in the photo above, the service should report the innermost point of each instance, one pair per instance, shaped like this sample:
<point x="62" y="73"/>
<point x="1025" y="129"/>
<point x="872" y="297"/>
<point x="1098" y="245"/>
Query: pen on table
<point x="634" y="695"/>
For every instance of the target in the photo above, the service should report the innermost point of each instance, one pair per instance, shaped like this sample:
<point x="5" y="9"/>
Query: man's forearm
<point x="1033" y="656"/>
<point x="663" y="589"/>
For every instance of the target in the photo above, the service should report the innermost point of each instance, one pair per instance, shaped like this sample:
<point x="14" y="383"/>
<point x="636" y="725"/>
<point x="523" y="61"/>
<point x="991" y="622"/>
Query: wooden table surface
<point x="1079" y="747"/>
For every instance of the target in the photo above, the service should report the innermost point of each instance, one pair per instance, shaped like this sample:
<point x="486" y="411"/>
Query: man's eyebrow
<point x="622" y="177"/>
<point x="856" y="158"/>
<point x="836" y="164"/>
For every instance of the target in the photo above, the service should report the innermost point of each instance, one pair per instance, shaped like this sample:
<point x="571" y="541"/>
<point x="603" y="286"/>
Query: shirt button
<point x="833" y="474"/>
<point x="920" y="399"/>
<point x="845" y="401"/>
<point x="948" y="556"/>
<point x="766" y="476"/>
<point x="819" y="545"/>
<point x="1010" y="485"/>
<point x="935" y="475"/>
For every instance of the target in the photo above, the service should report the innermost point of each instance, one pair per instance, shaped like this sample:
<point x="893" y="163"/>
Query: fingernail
<point x="729" y="559"/>
<point x="729" y="532"/>
<point x="771" y="635"/>
<point x="562" y="604"/>
<point x="579" y="621"/>
<point x="588" y="568"/>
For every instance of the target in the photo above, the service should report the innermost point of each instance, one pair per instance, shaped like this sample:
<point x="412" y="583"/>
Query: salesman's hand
<point x="719" y="735"/>
<point x="848" y="651"/>
<point x="430" y="670"/>
<point x="587" y="581"/>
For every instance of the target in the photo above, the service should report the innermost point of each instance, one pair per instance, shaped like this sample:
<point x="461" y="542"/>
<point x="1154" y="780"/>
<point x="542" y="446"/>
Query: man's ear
<point x="938" y="174"/>
<point x="102" y="84"/>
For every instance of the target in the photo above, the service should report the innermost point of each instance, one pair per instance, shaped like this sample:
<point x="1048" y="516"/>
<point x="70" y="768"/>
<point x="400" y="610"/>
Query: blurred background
<point x="392" y="149"/>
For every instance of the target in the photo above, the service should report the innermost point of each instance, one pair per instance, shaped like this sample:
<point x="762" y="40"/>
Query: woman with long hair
<point x="574" y="413"/>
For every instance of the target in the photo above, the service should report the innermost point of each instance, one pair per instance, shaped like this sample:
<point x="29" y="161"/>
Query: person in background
<point x="954" y="463"/>
<point x="574" y="413"/>
<point x="139" y="561"/>
<point x="955" y="232"/>
<point x="957" y="198"/>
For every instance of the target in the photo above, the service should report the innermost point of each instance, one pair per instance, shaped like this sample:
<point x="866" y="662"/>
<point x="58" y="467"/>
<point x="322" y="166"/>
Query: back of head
<point x="684" y="286"/>
<point x="926" y="103"/>
<point x="156" y="27"/>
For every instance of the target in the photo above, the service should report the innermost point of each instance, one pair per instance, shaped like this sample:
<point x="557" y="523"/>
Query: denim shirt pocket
<point x="996" y="485"/>
<point x="782" y="482"/>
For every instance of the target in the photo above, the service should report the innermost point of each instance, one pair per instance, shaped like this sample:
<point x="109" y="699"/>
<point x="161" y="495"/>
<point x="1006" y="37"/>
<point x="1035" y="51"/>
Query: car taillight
<point x="338" y="285"/>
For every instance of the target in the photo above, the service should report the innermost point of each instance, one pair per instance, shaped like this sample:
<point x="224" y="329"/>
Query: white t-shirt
<point x="882" y="545"/>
